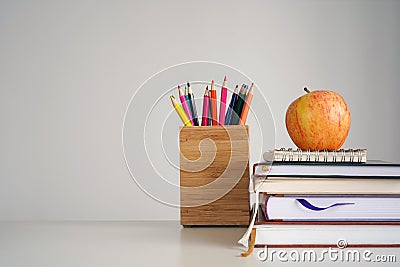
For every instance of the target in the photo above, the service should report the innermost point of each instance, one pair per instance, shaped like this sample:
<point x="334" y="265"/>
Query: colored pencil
<point x="193" y="105"/>
<point x="209" y="109"/>
<point x="187" y="99"/>
<point x="206" y="102"/>
<point x="180" y="111"/>
<point x="188" y="102"/>
<point x="213" y="98"/>
<point x="222" y="104"/>
<point x="246" y="106"/>
<point x="185" y="106"/>
<point x="229" y="112"/>
<point x="237" y="110"/>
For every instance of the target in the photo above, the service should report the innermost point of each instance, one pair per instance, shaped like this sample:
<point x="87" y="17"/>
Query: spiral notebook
<point x="342" y="155"/>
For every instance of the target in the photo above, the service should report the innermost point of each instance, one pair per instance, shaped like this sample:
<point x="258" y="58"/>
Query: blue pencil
<point x="228" y="117"/>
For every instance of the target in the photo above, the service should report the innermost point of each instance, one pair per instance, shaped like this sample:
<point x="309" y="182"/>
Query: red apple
<point x="318" y="120"/>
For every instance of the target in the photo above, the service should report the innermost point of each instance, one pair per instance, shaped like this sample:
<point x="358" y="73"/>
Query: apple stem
<point x="305" y="89"/>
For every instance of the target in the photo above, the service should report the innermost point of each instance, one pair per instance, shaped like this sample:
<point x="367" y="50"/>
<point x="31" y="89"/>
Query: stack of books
<point x="325" y="199"/>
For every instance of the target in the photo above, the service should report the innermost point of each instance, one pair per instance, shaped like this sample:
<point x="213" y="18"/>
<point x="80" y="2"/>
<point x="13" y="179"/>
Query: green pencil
<point x="239" y="105"/>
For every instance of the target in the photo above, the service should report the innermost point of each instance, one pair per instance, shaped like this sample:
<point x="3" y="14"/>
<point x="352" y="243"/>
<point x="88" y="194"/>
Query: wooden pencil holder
<point x="214" y="175"/>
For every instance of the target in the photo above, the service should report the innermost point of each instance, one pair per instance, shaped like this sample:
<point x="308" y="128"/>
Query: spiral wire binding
<point x="290" y="154"/>
<point x="337" y="155"/>
<point x="283" y="154"/>
<point x="351" y="155"/>
<point x="325" y="155"/>
<point x="300" y="154"/>
<point x="308" y="154"/>
<point x="316" y="152"/>
<point x="343" y="158"/>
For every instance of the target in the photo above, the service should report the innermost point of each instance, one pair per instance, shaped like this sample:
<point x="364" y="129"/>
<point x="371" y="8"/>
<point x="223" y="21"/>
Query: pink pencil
<point x="206" y="101"/>
<point x="222" y="105"/>
<point x="182" y="97"/>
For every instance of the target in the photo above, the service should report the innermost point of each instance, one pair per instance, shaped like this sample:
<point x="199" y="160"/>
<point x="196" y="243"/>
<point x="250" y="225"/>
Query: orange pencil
<point x="213" y="98"/>
<point x="246" y="107"/>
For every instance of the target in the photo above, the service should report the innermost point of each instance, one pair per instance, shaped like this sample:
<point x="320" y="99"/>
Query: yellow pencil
<point x="180" y="112"/>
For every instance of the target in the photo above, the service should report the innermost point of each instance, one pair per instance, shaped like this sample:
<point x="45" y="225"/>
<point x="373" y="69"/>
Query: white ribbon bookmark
<point x="245" y="239"/>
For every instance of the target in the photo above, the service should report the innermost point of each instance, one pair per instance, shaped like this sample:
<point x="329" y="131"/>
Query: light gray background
<point x="69" y="68"/>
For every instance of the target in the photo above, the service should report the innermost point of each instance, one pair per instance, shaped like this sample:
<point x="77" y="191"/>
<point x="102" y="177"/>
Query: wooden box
<point x="214" y="175"/>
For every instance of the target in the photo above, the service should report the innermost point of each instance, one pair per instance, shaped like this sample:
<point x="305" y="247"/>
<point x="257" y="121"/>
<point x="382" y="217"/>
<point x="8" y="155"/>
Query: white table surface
<point x="131" y="244"/>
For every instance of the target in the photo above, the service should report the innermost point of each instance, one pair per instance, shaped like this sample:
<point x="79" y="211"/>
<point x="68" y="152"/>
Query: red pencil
<point x="213" y="97"/>
<point x="222" y="105"/>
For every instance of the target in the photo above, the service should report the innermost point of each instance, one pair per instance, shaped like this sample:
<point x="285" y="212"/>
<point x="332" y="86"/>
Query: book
<point x="325" y="234"/>
<point x="342" y="155"/>
<point x="370" y="169"/>
<point x="331" y="208"/>
<point x="321" y="234"/>
<point x="305" y="185"/>
<point x="306" y="181"/>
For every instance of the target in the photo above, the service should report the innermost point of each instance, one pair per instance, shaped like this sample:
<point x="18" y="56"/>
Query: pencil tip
<point x="188" y="84"/>
<point x="212" y="81"/>
<point x="207" y="87"/>
<point x="225" y="79"/>
<point x="179" y="87"/>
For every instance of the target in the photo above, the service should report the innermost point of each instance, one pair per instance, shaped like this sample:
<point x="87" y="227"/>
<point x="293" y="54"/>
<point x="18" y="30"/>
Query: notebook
<point x="342" y="155"/>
